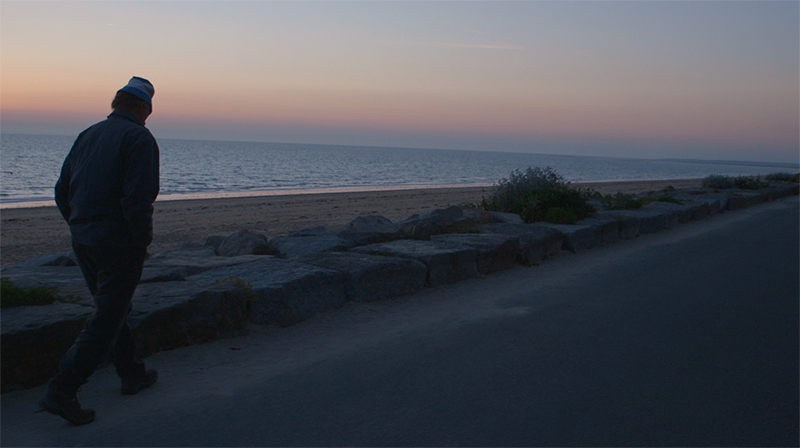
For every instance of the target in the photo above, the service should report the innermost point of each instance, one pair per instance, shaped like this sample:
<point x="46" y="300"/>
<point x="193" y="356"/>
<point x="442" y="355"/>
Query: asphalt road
<point x="686" y="337"/>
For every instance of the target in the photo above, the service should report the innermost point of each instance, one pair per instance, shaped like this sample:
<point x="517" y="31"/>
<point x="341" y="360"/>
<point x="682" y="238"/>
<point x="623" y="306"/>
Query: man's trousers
<point x="111" y="274"/>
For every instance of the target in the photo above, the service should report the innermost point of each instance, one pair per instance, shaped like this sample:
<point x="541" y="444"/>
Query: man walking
<point x="106" y="191"/>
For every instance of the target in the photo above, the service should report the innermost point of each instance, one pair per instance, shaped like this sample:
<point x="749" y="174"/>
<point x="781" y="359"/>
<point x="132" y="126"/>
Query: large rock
<point x="446" y="262"/>
<point x="370" y="230"/>
<point x="676" y="213"/>
<point x="650" y="221"/>
<point x="505" y="218"/>
<point x="55" y="260"/>
<point x="536" y="242"/>
<point x="307" y="242"/>
<point x="34" y="338"/>
<point x="494" y="252"/>
<point x="282" y="292"/>
<point x="244" y="242"/>
<point x="371" y="277"/>
<point x="448" y="220"/>
<point x="606" y="230"/>
<point x="176" y="314"/>
<point x="178" y="264"/>
<point x="627" y="224"/>
<point x="576" y="237"/>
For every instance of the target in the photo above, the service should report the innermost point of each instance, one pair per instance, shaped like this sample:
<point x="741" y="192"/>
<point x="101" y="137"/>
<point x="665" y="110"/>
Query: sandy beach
<point x="35" y="231"/>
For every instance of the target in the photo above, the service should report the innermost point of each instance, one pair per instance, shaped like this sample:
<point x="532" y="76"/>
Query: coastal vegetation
<point x="624" y="201"/>
<point x="538" y="194"/>
<point x="12" y="295"/>
<point x="721" y="182"/>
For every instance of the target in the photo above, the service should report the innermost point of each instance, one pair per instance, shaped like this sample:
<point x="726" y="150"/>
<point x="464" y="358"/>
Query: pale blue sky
<point x="713" y="79"/>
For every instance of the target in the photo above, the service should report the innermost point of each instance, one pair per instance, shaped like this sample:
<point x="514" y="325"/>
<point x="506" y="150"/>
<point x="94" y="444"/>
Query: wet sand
<point x="35" y="231"/>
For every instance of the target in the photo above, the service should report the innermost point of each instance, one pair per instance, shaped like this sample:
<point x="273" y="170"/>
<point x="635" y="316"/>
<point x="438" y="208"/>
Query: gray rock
<point x="282" y="292"/>
<point x="627" y="225"/>
<point x="244" y="242"/>
<point x="675" y="212"/>
<point x="494" y="252"/>
<point x="447" y="263"/>
<point x="190" y="251"/>
<point x="576" y="237"/>
<point x="34" y="338"/>
<point x="294" y="246"/>
<point x="650" y="221"/>
<point x="447" y="220"/>
<point x="371" y="277"/>
<point x="214" y="241"/>
<point x="606" y="230"/>
<point x="179" y="264"/>
<point x="313" y="231"/>
<point x="505" y="218"/>
<point x="369" y="230"/>
<point x="536" y="242"/>
<point x="176" y="314"/>
<point x="65" y="259"/>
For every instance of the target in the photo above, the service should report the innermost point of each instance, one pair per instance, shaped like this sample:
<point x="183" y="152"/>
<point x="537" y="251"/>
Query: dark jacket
<point x="109" y="182"/>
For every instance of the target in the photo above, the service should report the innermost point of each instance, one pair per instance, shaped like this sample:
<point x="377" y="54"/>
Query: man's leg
<point x="112" y="275"/>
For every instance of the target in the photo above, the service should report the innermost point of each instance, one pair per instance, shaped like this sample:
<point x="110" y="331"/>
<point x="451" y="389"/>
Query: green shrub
<point x="718" y="181"/>
<point x="621" y="201"/>
<point x="558" y="215"/>
<point x="662" y="198"/>
<point x="782" y="177"/>
<point x="12" y="295"/>
<point x="531" y="194"/>
<point x="749" y="183"/>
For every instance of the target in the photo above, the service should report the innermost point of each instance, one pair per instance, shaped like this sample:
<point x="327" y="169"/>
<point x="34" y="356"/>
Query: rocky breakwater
<point x="203" y="292"/>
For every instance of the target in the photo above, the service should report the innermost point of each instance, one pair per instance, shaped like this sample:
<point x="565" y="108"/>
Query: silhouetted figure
<point x="106" y="191"/>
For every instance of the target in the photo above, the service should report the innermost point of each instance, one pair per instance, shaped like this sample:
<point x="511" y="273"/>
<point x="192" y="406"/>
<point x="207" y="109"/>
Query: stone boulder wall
<point x="244" y="242"/>
<point x="282" y="292"/>
<point x="34" y="340"/>
<point x="494" y="252"/>
<point x="536" y="242"/>
<point x="370" y="277"/>
<point x="175" y="314"/>
<point x="446" y="262"/>
<point x="191" y="295"/>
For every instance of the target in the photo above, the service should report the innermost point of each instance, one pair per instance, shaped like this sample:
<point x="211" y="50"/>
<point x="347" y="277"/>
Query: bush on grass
<point x="718" y="181"/>
<point x="623" y="201"/>
<point x="782" y="177"/>
<point x="532" y="195"/>
<point x="749" y="183"/>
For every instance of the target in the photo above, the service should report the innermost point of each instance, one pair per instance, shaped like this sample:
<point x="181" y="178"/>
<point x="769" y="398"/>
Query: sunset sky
<point x="707" y="80"/>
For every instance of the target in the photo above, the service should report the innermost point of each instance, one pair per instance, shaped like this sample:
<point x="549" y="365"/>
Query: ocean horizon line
<point x="760" y="163"/>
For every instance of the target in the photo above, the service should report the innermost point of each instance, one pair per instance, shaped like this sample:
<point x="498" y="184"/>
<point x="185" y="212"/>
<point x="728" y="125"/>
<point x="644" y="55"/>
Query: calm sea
<point x="30" y="166"/>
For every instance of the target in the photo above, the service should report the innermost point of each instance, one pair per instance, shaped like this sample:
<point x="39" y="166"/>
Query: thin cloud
<point x="479" y="46"/>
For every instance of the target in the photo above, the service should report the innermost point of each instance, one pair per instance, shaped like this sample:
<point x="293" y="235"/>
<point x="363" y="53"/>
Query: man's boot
<point x="132" y="386"/>
<point x="66" y="405"/>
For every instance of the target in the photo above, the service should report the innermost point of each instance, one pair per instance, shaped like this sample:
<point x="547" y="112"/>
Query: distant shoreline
<point x="291" y="192"/>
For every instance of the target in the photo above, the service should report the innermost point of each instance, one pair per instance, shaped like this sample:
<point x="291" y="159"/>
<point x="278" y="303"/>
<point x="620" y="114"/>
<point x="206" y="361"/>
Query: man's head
<point x="136" y="98"/>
